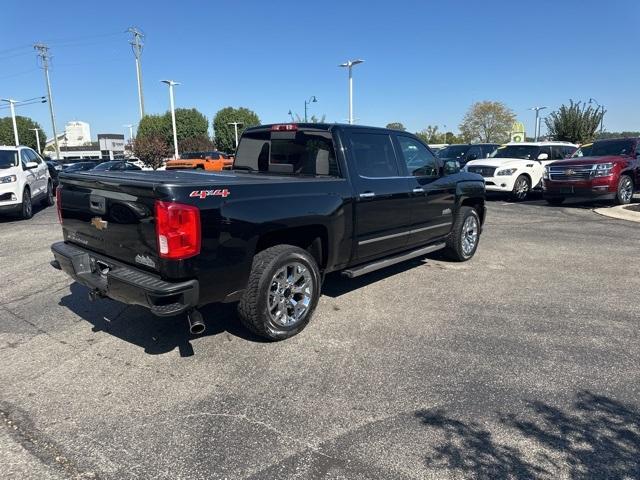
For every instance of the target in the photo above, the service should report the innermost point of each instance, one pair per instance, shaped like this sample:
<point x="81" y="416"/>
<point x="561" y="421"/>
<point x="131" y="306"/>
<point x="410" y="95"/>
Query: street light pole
<point x="130" y="127"/>
<point x="37" y="130"/>
<point x="349" y="64"/>
<point x="172" y="84"/>
<point x="235" y="126"/>
<point x="537" y="124"/>
<point x="445" y="134"/>
<point x="313" y="99"/>
<point x="12" y="107"/>
<point x="290" y="113"/>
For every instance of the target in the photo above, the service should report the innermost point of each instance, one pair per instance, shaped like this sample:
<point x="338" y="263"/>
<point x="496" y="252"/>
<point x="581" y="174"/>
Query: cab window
<point x="374" y="155"/>
<point x="419" y="160"/>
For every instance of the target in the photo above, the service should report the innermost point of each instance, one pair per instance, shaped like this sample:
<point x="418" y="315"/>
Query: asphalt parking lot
<point x="523" y="363"/>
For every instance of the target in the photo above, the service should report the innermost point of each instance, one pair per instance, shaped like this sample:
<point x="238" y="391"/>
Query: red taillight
<point x="59" y="203"/>
<point x="177" y="230"/>
<point x="287" y="127"/>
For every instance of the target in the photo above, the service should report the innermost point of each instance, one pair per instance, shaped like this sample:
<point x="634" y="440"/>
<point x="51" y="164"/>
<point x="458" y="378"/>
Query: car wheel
<point x="463" y="240"/>
<point x="625" y="190"/>
<point x="50" y="198"/>
<point x="521" y="188"/>
<point x="556" y="201"/>
<point x="282" y="292"/>
<point x="27" y="207"/>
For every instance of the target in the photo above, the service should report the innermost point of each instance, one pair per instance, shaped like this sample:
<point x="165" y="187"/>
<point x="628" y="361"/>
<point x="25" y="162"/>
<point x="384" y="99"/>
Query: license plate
<point x="566" y="189"/>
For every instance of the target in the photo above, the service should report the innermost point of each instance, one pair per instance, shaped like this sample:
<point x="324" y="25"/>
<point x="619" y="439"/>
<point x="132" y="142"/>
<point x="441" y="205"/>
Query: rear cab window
<point x="299" y="152"/>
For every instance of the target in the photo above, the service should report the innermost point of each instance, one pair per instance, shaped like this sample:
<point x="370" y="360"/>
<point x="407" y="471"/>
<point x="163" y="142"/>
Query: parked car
<point x="215" y="161"/>
<point x="24" y="179"/>
<point x="80" y="166"/>
<point x="53" y="171"/>
<point x="115" y="165"/>
<point x="57" y="166"/>
<point x="517" y="168"/>
<point x="464" y="153"/>
<point x="604" y="170"/>
<point x="302" y="201"/>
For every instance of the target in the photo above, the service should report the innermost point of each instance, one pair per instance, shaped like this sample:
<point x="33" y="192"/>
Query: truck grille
<point x="570" y="172"/>
<point x="484" y="171"/>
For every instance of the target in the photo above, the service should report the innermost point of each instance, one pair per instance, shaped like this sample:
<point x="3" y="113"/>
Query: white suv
<point x="24" y="179"/>
<point x="516" y="168"/>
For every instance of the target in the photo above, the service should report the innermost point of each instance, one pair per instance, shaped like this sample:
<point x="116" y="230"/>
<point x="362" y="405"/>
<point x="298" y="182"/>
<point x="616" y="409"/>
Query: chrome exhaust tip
<point x="196" y="323"/>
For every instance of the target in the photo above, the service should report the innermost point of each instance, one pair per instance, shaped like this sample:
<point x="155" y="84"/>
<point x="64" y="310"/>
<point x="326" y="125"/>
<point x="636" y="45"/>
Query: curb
<point x="619" y="212"/>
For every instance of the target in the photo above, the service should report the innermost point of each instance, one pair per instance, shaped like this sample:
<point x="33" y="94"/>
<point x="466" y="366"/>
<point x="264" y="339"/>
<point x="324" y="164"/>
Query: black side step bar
<point x="387" y="262"/>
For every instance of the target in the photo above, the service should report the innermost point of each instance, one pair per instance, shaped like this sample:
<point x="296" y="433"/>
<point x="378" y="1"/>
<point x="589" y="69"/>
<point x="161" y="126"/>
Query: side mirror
<point x="31" y="165"/>
<point x="543" y="156"/>
<point x="451" y="167"/>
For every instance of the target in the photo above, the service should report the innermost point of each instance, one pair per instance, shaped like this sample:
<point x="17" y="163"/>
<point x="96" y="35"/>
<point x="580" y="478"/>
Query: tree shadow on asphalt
<point x="596" y="438"/>
<point x="156" y="335"/>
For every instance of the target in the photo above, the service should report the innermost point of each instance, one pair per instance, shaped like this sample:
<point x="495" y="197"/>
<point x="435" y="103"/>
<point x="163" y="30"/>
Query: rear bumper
<point x="108" y="278"/>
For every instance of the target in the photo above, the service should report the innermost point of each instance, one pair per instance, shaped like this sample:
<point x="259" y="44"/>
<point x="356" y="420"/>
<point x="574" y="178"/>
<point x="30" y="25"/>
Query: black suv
<point x="466" y="152"/>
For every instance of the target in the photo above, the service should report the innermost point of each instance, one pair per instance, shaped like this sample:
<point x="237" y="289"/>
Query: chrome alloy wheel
<point x="626" y="190"/>
<point x="290" y="294"/>
<point x="521" y="188"/>
<point x="469" y="235"/>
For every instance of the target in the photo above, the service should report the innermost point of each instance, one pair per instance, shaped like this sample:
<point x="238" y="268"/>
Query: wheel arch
<point x="312" y="238"/>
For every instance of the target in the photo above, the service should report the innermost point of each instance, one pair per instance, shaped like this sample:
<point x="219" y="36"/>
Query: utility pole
<point x="43" y="53"/>
<point x="137" y="45"/>
<point x="235" y="126"/>
<point x="537" y="124"/>
<point x="172" y="84"/>
<point x="37" y="130"/>
<point x="12" y="107"/>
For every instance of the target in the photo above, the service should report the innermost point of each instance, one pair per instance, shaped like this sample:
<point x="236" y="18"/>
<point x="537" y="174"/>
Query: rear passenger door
<point x="383" y="199"/>
<point x="433" y="194"/>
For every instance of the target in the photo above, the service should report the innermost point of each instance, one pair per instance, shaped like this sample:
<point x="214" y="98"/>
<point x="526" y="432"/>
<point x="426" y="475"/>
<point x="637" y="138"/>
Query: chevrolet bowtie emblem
<point x="569" y="172"/>
<point x="99" y="223"/>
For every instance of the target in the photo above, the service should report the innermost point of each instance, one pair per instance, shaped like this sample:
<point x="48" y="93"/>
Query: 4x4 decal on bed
<point x="224" y="193"/>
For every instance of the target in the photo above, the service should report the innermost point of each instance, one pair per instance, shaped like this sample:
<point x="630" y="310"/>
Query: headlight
<point x="8" y="179"/>
<point x="602" y="169"/>
<point x="506" y="172"/>
<point x="545" y="174"/>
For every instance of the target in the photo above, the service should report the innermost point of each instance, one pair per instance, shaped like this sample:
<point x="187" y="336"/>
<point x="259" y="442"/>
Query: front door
<point x="434" y="194"/>
<point x="383" y="199"/>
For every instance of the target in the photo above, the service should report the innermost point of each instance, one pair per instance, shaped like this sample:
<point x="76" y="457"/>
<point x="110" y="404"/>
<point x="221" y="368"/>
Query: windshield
<point x="524" y="152"/>
<point x="8" y="158"/>
<point x="583" y="151"/>
<point x="611" y="147"/>
<point x="454" y="151"/>
<point x="287" y="152"/>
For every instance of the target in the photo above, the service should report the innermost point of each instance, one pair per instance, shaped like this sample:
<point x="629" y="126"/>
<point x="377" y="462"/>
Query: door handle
<point x="367" y="195"/>
<point x="418" y="190"/>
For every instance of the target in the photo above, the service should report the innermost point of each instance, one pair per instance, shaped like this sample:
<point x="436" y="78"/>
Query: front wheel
<point x="521" y="188"/>
<point x="50" y="198"/>
<point x="624" y="193"/>
<point x="27" y="207"/>
<point x="282" y="292"/>
<point x="463" y="240"/>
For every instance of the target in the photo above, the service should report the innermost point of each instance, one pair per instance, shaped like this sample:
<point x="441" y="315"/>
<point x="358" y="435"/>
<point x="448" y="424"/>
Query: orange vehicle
<point x="215" y="161"/>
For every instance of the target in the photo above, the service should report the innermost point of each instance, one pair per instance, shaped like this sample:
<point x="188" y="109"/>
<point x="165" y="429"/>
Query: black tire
<point x="456" y="248"/>
<point x="49" y="199"/>
<point x="624" y="193"/>
<point x="253" y="308"/>
<point x="555" y="201"/>
<point x="200" y="167"/>
<point x="26" y="212"/>
<point x="521" y="188"/>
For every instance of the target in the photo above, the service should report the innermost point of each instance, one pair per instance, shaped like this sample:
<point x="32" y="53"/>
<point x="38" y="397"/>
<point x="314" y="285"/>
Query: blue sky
<point x="425" y="61"/>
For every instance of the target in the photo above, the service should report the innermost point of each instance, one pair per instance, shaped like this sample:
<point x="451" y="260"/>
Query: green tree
<point x="224" y="133"/>
<point x="396" y="126"/>
<point x="152" y="149"/>
<point x="488" y="122"/>
<point x="431" y="134"/>
<point x="190" y="123"/>
<point x="311" y="119"/>
<point x="25" y="134"/>
<point x="196" y="144"/>
<point x="625" y="134"/>
<point x="576" y="122"/>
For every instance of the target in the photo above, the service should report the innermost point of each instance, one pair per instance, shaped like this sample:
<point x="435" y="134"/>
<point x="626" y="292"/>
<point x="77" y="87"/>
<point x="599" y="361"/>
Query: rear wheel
<point x="556" y="201"/>
<point x="282" y="292"/>
<point x="624" y="193"/>
<point x="27" y="207"/>
<point x="463" y="241"/>
<point x="50" y="198"/>
<point x="521" y="188"/>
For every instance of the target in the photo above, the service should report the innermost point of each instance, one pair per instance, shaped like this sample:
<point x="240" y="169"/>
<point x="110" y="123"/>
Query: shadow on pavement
<point x="596" y="438"/>
<point x="156" y="335"/>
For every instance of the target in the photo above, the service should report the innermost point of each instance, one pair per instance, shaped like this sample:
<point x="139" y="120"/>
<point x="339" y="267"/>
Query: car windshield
<point x="80" y="166"/>
<point x="106" y="165"/>
<point x="8" y="158"/>
<point x="287" y="153"/>
<point x="524" y="152"/>
<point x="454" y="151"/>
<point x="611" y="147"/>
<point x="583" y="151"/>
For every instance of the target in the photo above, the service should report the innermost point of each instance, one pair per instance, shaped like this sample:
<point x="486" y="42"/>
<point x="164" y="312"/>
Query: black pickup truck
<point x="302" y="200"/>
